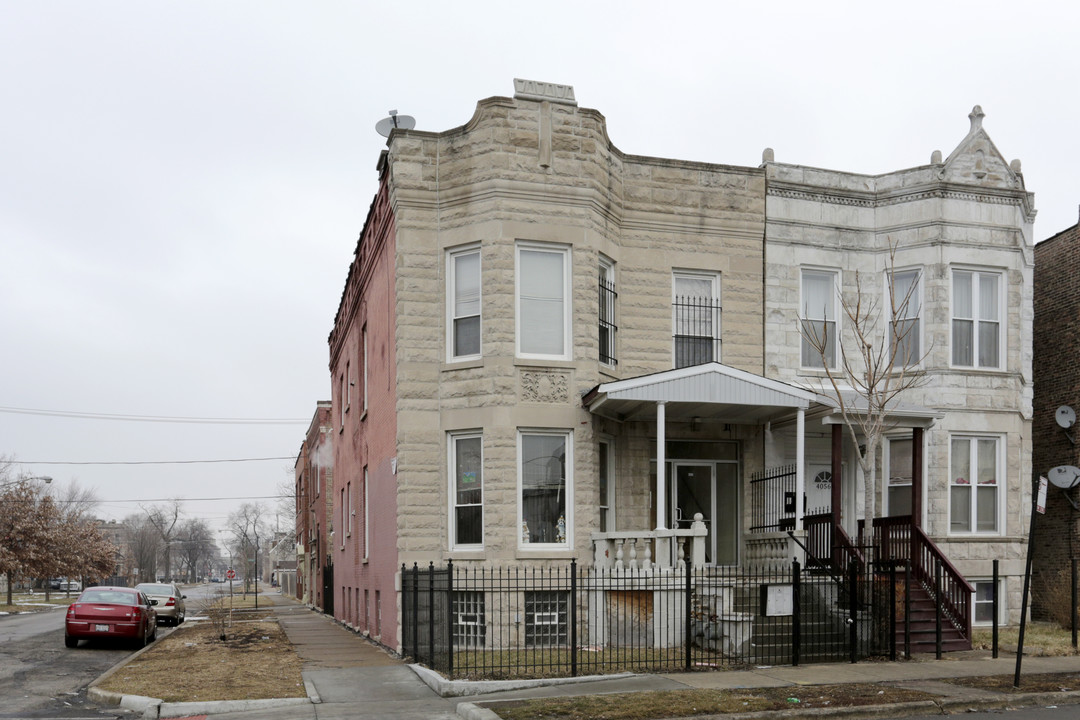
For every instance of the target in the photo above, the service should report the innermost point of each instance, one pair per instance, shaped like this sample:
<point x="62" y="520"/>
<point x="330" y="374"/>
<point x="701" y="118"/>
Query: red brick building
<point x="1057" y="382"/>
<point x="314" y="507"/>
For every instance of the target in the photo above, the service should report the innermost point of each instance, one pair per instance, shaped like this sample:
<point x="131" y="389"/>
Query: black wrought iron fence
<point x="497" y="623"/>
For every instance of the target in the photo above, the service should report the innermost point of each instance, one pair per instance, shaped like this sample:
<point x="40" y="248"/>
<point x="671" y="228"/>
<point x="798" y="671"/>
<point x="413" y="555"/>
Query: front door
<point x="695" y="492"/>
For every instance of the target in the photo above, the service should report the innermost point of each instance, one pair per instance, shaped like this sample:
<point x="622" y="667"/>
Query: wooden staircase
<point x="923" y="623"/>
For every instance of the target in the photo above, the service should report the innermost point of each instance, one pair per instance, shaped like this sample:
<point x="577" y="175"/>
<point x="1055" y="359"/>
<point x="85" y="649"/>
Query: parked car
<point x="111" y="613"/>
<point x="170" y="601"/>
<point x="70" y="585"/>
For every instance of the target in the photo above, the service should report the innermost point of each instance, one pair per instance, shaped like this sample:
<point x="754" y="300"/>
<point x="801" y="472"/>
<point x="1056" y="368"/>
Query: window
<point x="974" y="483"/>
<point x="818" y="312"/>
<point x="467" y="489"/>
<point x="906" y="289"/>
<point x="348" y="509"/>
<point x="899" y="476"/>
<point x="983" y="600"/>
<point x="976" y="321"/>
<point x="544" y="459"/>
<point x="348" y="385"/>
<point x="605" y="467"/>
<point x="363" y="368"/>
<point x="546" y="614"/>
<point x="543" y="305"/>
<point x="344" y="511"/>
<point x="367" y="515"/>
<point x="695" y="318"/>
<point x="470" y="625"/>
<point x="463" y="303"/>
<point x="607" y="326"/>
<point x="341" y="401"/>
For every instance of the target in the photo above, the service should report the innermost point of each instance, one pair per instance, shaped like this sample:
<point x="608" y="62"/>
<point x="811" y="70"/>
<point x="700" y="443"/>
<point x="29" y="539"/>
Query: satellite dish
<point x="1065" y="477"/>
<point x="1065" y="417"/>
<point x="394" y="122"/>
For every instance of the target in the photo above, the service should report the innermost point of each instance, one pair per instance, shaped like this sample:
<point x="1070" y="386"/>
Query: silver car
<point x="170" y="601"/>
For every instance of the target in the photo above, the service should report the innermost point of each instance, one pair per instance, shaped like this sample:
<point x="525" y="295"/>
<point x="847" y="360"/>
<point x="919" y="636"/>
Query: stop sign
<point x="230" y="573"/>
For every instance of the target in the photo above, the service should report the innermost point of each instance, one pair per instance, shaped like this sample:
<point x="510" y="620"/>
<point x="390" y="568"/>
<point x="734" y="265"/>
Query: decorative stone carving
<point x="546" y="387"/>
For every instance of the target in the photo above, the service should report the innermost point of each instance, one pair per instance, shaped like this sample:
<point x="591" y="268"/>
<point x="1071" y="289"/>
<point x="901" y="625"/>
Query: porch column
<point x="800" y="474"/>
<point x="837" y="469"/>
<point x="661" y="481"/>
<point x="916" y="476"/>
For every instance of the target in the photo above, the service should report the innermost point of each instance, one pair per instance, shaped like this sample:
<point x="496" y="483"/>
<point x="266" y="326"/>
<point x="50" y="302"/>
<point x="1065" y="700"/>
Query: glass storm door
<point x="695" y="492"/>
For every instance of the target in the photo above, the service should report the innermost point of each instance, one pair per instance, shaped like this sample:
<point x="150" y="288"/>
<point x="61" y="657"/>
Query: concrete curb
<point x="215" y="707"/>
<point x="466" y="688"/>
<point x="919" y="708"/>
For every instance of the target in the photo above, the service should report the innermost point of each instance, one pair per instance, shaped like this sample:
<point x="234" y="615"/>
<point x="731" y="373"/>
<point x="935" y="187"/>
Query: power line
<point x="144" y="462"/>
<point x="156" y="418"/>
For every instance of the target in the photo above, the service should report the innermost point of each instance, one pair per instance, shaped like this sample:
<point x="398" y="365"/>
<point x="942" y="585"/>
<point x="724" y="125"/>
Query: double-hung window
<point x="605" y="470"/>
<point x="607" y="327"/>
<point x="543" y="302"/>
<point x="695" y="318"/>
<point x="906" y="312"/>
<point x="898" y="476"/>
<point x="463" y="303"/>
<point x="975" y="484"/>
<point x="818" y="312"/>
<point x="467" y="489"/>
<point x="545" y="486"/>
<point x="976" y="319"/>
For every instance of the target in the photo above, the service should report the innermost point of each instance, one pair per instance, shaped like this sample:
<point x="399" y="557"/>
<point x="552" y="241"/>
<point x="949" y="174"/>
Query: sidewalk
<point x="349" y="677"/>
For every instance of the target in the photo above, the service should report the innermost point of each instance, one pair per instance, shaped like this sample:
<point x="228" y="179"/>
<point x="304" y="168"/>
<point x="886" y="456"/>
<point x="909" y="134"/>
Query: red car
<point x="111" y="613"/>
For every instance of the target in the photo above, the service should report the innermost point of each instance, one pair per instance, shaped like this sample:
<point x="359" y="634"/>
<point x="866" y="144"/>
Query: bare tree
<point x="878" y="363"/>
<point x="164" y="519"/>
<point x="247" y="526"/>
<point x="144" y="545"/>
<point x="195" y="546"/>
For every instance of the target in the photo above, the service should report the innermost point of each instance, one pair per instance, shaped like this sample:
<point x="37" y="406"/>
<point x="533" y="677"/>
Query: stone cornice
<point x="852" y="198"/>
<point x="601" y="205"/>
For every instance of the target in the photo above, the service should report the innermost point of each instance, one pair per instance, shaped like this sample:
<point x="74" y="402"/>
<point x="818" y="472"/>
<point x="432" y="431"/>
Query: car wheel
<point x="70" y="641"/>
<point x="180" y="619"/>
<point x="153" y="633"/>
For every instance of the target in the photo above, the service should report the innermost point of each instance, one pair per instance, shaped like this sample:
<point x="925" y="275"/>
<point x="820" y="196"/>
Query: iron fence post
<point x="995" y="632"/>
<point x="853" y="611"/>
<point x="892" y="611"/>
<point x="937" y="609"/>
<point x="573" y="617"/>
<point x="449" y="618"/>
<point x="688" y="625"/>
<point x="796" y="612"/>
<point x="431" y="614"/>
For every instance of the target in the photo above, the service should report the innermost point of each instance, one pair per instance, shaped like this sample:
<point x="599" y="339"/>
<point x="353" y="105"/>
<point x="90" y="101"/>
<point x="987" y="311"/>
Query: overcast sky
<point x="182" y="183"/>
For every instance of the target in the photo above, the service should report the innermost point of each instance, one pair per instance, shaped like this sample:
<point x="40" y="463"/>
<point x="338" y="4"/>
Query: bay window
<point x="545" y="485"/>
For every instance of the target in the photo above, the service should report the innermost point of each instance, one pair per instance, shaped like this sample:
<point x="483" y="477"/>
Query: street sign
<point x="230" y="573"/>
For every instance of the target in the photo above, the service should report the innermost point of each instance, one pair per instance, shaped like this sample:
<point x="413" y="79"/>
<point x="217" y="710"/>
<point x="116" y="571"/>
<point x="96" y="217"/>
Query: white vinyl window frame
<point x="464" y="296"/>
<point x="983" y="598"/>
<point x="909" y="314"/>
<point x="818" y="304"/>
<point x="453" y="448"/>
<point x="605" y="473"/>
<point x="701" y="323"/>
<point x="607" y="321"/>
<point x="543" y="301"/>
<point x="972" y="477"/>
<point x="898" y="475"/>
<point x="545" y="540"/>
<point x="976" y="314"/>
<point x="367" y="515"/>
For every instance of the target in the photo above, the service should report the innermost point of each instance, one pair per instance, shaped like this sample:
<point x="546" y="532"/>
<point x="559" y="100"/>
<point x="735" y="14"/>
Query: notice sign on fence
<point x="777" y="600"/>
<point x="1040" y="502"/>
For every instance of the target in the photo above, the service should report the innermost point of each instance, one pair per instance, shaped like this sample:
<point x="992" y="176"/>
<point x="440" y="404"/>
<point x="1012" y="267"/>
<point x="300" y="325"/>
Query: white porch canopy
<point x="711" y="391"/>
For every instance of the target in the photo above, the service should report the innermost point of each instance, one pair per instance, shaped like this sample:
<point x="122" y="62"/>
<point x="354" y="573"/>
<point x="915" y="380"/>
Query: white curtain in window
<point x="542" y="301"/>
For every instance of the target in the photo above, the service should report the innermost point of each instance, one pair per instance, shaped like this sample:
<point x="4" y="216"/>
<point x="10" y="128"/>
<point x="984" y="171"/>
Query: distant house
<point x="314" y="475"/>
<point x="1057" y="383"/>
<point x="547" y="349"/>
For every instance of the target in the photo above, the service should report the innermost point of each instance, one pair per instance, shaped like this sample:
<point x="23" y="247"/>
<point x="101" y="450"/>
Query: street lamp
<point x="43" y="478"/>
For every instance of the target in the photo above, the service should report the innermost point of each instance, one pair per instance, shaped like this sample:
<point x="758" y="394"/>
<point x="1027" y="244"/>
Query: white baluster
<point x="619" y="556"/>
<point x="646" y="563"/>
<point x="633" y="555"/>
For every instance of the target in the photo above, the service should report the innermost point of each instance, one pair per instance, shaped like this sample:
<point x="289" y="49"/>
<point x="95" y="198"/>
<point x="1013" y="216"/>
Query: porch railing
<point x="649" y="550"/>
<point x="898" y="539"/>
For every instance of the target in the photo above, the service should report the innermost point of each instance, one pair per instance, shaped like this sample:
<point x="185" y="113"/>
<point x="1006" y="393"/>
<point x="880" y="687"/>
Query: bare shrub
<point x="1055" y="593"/>
<point x="218" y="610"/>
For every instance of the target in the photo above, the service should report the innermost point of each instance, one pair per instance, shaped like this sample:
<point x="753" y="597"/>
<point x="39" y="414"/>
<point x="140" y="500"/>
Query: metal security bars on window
<point x="607" y="328"/>
<point x="696" y="330"/>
